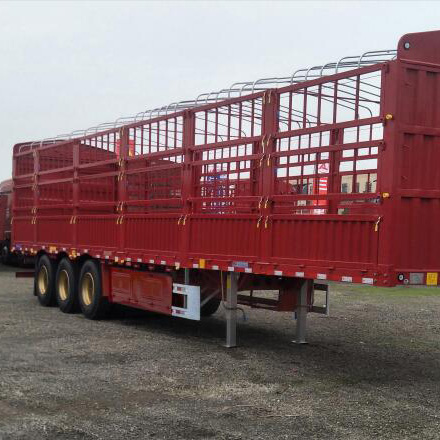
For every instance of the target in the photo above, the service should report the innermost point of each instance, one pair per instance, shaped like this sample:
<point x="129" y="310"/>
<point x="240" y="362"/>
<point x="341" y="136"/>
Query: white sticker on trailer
<point x="191" y="301"/>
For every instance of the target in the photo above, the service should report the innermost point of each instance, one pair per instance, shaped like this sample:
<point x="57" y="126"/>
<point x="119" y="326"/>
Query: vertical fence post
<point x="75" y="192"/>
<point x="270" y="127"/>
<point x="36" y="188"/>
<point x="188" y="140"/>
<point x="122" y="184"/>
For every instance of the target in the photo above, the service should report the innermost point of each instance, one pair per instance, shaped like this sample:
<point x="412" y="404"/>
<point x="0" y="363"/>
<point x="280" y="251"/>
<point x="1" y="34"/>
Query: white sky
<point x="66" y="66"/>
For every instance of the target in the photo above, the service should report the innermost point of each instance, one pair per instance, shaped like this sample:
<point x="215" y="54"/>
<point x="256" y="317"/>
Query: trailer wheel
<point x="45" y="281"/>
<point x="93" y="304"/>
<point x="5" y="255"/>
<point x="66" y="292"/>
<point x="210" y="307"/>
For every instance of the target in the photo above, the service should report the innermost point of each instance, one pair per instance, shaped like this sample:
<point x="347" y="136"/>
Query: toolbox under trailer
<point x="330" y="174"/>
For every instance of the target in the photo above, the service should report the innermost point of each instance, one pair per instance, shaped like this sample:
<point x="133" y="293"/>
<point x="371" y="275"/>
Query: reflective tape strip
<point x="321" y="276"/>
<point x="299" y="274"/>
<point x="278" y="273"/>
<point x="367" y="281"/>
<point x="248" y="269"/>
<point x="347" y="279"/>
<point x="230" y="269"/>
<point x="139" y="260"/>
<point x="215" y="267"/>
<point x="163" y="263"/>
<point x="152" y="261"/>
<point x="195" y="266"/>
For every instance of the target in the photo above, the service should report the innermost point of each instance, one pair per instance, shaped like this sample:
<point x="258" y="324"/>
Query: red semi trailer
<point x="330" y="173"/>
<point x="5" y="220"/>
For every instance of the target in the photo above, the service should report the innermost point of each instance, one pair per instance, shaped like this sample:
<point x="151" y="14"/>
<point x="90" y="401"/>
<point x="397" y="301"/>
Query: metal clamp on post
<point x="267" y="93"/>
<point x="262" y="142"/>
<point x="376" y="224"/>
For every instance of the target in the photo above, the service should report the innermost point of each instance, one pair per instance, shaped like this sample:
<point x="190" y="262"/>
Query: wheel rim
<point x="87" y="289"/>
<point x="63" y="285"/>
<point x="43" y="280"/>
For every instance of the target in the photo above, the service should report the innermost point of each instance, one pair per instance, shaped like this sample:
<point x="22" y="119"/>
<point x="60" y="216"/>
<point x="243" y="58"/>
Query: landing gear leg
<point x="301" y="313"/>
<point x="231" y="310"/>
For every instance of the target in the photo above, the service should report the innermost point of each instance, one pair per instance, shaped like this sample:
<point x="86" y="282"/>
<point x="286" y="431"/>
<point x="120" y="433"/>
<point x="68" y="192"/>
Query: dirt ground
<point x="370" y="370"/>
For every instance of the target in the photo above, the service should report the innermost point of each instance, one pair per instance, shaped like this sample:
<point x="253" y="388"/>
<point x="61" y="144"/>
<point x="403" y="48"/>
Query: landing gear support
<point x="231" y="310"/>
<point x="301" y="313"/>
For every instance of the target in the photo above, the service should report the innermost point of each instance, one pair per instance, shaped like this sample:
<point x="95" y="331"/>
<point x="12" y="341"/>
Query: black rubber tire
<point x="44" y="281"/>
<point x="66" y="282"/>
<point x="5" y="254"/>
<point x="91" y="300"/>
<point x="210" y="307"/>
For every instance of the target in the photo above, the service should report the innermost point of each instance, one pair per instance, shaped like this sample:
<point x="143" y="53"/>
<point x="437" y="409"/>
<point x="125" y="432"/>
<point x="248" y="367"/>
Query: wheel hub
<point x="87" y="289"/>
<point x="43" y="280"/>
<point x="63" y="285"/>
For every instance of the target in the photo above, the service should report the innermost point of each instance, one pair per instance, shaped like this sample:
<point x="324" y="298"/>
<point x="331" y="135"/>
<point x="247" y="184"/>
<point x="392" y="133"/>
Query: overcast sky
<point x="66" y="66"/>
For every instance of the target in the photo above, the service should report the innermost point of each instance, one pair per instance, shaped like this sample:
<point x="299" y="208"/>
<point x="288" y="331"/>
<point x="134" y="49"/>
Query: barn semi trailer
<point x="281" y="184"/>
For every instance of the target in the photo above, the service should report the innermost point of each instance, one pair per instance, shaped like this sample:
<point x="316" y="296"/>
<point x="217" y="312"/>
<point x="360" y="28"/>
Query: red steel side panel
<point x="149" y="291"/>
<point x="239" y="184"/>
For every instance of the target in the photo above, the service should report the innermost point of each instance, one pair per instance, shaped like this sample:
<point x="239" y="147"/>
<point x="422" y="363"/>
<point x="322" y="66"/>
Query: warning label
<point x="431" y="278"/>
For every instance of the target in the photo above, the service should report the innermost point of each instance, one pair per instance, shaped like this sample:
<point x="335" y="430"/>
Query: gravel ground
<point x="370" y="370"/>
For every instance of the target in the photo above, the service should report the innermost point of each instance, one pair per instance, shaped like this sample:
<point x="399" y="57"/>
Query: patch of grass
<point x="387" y="292"/>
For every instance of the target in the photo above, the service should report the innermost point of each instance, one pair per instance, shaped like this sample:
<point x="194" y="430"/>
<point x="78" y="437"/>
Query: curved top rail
<point x="236" y="90"/>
